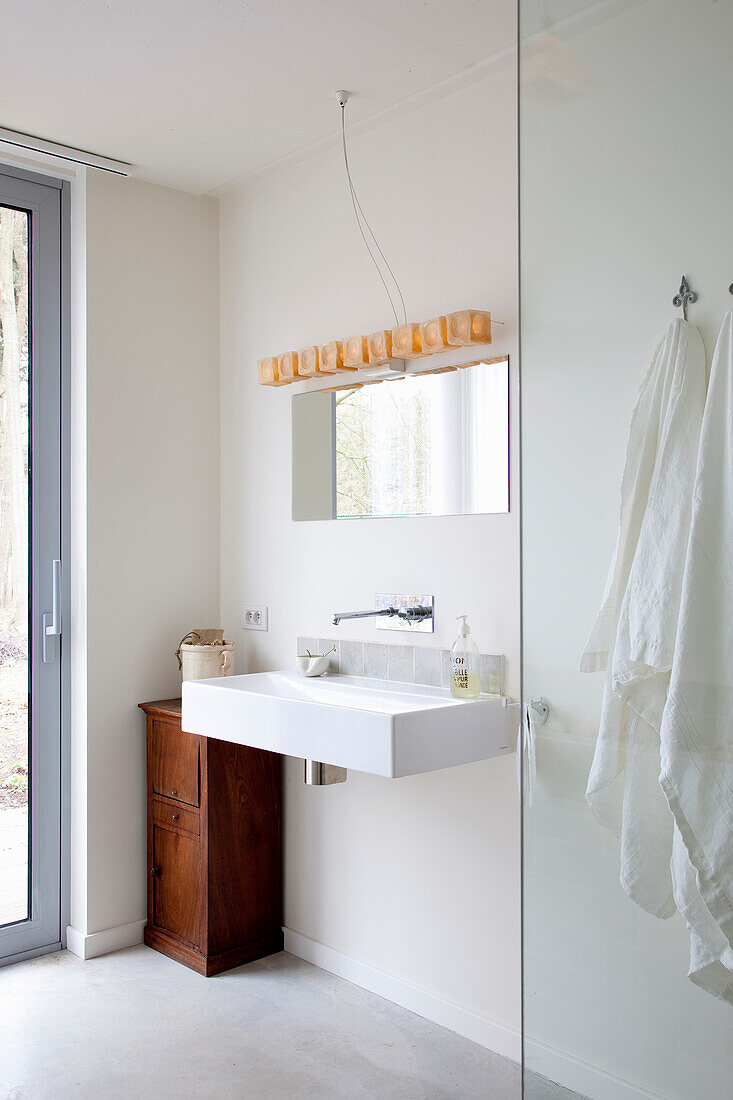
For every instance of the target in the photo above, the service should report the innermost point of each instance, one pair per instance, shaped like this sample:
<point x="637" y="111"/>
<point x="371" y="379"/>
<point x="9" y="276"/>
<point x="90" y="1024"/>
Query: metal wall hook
<point x="684" y="296"/>
<point x="541" y="709"/>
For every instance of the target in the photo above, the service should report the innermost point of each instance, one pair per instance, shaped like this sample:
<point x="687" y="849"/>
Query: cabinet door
<point x="177" y="886"/>
<point x="174" y="762"/>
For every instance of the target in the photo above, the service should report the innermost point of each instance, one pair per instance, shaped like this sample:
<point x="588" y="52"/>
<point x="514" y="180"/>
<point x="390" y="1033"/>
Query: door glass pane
<point x="626" y="181"/>
<point x="14" y="713"/>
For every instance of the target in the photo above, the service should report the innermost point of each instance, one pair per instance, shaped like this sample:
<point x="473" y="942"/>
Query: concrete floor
<point x="137" y="1025"/>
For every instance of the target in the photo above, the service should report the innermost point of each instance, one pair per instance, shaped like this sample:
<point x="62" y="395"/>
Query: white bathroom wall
<point x="626" y="184"/>
<point x="416" y="878"/>
<point x="152" y="514"/>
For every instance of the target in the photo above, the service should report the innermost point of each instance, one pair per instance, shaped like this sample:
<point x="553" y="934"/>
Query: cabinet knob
<point x="174" y="817"/>
<point x="154" y="871"/>
<point x="173" y="794"/>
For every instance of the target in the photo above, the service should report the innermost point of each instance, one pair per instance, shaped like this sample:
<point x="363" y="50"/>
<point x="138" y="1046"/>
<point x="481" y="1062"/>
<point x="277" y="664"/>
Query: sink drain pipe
<point x="318" y="774"/>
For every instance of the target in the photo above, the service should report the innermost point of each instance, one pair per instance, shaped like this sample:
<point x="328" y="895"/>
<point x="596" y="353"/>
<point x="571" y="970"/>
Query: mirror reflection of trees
<point x="383" y="451"/>
<point x="429" y="443"/>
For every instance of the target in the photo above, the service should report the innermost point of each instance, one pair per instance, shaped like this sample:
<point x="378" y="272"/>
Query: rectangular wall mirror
<point x="413" y="445"/>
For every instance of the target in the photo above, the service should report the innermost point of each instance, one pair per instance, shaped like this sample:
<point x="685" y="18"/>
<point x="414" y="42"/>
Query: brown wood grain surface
<point x="244" y="874"/>
<point x="173" y="815"/>
<point x="177" y="884"/>
<point x="175" y="762"/>
<point x="214" y="857"/>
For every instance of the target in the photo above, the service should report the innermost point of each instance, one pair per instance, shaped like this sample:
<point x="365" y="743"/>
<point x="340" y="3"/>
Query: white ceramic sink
<point x="372" y="726"/>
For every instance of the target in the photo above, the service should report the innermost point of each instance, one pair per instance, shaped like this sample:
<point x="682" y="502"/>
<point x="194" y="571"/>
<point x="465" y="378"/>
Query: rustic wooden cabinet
<point x="214" y="881"/>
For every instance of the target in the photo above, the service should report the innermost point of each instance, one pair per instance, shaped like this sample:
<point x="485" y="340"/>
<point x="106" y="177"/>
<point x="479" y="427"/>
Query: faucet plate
<point x="405" y="603"/>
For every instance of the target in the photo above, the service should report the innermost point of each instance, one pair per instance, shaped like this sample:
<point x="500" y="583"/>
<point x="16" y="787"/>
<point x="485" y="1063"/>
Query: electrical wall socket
<point x="254" y="618"/>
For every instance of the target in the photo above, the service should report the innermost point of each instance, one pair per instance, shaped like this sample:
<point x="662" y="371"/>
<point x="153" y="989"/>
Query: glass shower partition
<point x="626" y="179"/>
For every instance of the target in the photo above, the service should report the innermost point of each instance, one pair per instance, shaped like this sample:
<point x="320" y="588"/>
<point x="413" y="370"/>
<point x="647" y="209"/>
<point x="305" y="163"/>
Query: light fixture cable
<point x="361" y="216"/>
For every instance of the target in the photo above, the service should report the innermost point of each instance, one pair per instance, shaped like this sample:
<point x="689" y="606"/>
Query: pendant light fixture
<point x="391" y="348"/>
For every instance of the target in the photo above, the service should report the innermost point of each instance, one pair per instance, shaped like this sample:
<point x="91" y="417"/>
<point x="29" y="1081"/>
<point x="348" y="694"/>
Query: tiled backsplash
<point x="406" y="663"/>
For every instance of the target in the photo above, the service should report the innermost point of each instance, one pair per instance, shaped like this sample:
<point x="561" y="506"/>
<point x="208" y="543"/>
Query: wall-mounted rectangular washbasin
<point x="374" y="726"/>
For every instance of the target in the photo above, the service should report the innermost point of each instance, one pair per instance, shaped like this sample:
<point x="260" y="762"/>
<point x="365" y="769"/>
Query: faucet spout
<point x="339" y="615"/>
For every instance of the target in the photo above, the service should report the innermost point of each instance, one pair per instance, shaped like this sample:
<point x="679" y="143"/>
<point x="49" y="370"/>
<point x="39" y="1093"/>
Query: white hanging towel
<point x="633" y="638"/>
<point x="697" y="727"/>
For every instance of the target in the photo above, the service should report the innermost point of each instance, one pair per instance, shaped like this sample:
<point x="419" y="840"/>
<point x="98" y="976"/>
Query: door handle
<point x="52" y="619"/>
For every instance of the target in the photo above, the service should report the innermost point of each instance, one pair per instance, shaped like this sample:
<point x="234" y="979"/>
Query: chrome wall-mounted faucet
<point x="339" y="615"/>
<point x="396" y="612"/>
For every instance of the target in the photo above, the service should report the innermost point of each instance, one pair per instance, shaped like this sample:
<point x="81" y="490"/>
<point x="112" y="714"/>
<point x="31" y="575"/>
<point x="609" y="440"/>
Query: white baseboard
<point x="502" y="1040"/>
<point x="580" y="1076"/>
<point x="94" y="944"/>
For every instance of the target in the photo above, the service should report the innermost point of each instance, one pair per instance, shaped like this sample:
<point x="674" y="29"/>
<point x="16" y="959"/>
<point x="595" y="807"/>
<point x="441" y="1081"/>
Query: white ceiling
<point x="199" y="93"/>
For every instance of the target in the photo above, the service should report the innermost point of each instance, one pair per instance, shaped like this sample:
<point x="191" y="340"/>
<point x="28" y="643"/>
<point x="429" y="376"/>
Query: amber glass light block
<point x="433" y="334"/>
<point x="332" y="357"/>
<point x="406" y="342"/>
<point x="309" y="362"/>
<point x="287" y="365"/>
<point x="269" y="374"/>
<point x="380" y="346"/>
<point x="468" y="326"/>
<point x="437" y="370"/>
<point x="356" y="352"/>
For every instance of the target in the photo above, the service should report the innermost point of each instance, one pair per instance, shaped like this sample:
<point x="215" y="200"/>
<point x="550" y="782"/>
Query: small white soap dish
<point x="312" y="666"/>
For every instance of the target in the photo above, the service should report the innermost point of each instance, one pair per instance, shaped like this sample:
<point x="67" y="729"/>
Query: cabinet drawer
<point x="174" y="763"/>
<point x="178" y="817"/>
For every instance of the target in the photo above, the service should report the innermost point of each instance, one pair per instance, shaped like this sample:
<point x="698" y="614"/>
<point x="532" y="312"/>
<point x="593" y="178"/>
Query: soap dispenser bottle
<point x="465" y="668"/>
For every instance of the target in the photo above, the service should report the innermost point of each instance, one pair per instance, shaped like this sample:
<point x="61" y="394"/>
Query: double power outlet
<point x="254" y="617"/>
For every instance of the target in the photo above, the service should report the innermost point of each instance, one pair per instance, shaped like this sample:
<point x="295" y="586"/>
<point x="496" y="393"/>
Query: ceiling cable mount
<point x="361" y="220"/>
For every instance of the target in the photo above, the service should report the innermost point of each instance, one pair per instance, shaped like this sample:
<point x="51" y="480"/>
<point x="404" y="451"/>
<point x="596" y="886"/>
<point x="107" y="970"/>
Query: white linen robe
<point x="697" y="726"/>
<point x="634" y="636"/>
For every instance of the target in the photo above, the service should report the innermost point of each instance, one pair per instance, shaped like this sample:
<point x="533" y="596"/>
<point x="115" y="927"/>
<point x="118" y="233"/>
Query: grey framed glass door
<point x="30" y="563"/>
